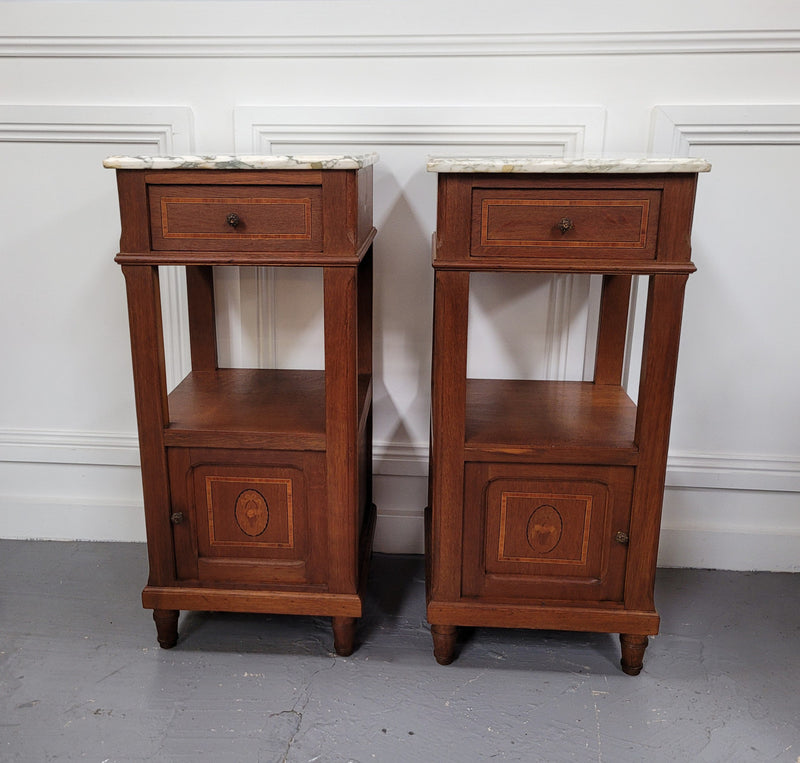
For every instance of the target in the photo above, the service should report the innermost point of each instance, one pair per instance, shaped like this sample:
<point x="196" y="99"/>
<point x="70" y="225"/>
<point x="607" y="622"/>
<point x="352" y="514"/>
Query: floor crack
<point x="305" y="698"/>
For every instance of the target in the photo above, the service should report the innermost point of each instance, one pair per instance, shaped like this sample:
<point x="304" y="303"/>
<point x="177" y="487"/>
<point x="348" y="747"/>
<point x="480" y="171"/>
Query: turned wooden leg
<point x="444" y="643"/>
<point x="633" y="647"/>
<point x="344" y="635"/>
<point x="166" y="627"/>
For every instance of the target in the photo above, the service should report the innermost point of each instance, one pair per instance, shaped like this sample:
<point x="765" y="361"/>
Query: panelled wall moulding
<point x="397" y="46"/>
<point x="708" y="522"/>
<point x="166" y="129"/>
<point x="681" y="130"/>
<point x="676" y="130"/>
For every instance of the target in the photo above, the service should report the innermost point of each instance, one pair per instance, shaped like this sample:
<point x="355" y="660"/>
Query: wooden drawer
<point x="545" y="532"/>
<point x="557" y="223"/>
<point x="247" y="521"/>
<point x="236" y="218"/>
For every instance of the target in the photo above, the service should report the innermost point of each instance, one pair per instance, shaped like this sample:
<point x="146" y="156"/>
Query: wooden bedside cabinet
<point x="257" y="482"/>
<point x="545" y="496"/>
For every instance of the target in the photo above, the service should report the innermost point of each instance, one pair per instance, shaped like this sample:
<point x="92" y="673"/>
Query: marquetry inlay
<point x="298" y="209"/>
<point x="252" y="512"/>
<point x="631" y="230"/>
<point x="551" y="524"/>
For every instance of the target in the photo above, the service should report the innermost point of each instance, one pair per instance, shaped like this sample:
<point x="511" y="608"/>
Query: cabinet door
<point x="248" y="518"/>
<point x="545" y="532"/>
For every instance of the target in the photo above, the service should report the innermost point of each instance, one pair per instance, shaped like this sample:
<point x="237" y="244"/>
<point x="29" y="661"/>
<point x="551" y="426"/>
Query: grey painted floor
<point x="81" y="676"/>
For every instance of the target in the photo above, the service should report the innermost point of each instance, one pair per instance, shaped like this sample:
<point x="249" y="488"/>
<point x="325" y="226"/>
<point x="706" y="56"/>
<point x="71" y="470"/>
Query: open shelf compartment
<point x="550" y="421"/>
<point x="256" y="408"/>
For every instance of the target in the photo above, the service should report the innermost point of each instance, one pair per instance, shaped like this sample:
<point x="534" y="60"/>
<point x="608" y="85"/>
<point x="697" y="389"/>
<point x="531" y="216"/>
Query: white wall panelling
<point x="68" y="449"/>
<point x="737" y="406"/>
<point x="411" y="78"/>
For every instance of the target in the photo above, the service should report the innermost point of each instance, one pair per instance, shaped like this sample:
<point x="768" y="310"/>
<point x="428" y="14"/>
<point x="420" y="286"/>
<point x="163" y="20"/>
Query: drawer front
<point x="545" y="532"/>
<point x="249" y="522"/>
<point x="551" y="223"/>
<point x="236" y="218"/>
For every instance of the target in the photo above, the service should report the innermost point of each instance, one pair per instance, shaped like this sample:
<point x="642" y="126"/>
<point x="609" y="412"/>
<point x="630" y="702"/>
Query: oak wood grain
<point x="545" y="496"/>
<point x="202" y="317"/>
<point x="150" y="388"/>
<point x="545" y="416"/>
<point x="341" y="424"/>
<point x="448" y="407"/>
<point x="250" y="401"/>
<point x="612" y="329"/>
<point x="552" y="616"/>
<point x="268" y="218"/>
<point x="230" y="178"/>
<point x="656" y="389"/>
<point x="257" y="482"/>
<point x="254" y="257"/>
<point x="241" y="599"/>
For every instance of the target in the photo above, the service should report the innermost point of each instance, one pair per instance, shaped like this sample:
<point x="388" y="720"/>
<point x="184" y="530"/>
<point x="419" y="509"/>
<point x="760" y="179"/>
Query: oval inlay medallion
<point x="545" y="527"/>
<point x="252" y="513"/>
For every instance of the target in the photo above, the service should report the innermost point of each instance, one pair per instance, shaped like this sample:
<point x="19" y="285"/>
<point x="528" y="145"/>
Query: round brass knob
<point x="622" y="537"/>
<point x="176" y="518"/>
<point x="565" y="224"/>
<point x="233" y="219"/>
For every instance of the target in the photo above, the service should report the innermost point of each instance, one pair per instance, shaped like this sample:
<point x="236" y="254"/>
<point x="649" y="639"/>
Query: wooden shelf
<point x="252" y="408"/>
<point x="550" y="421"/>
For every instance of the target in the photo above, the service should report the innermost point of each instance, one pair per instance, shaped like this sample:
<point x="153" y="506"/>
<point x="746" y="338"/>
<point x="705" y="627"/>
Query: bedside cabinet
<point x="545" y="496"/>
<point x="257" y="482"/>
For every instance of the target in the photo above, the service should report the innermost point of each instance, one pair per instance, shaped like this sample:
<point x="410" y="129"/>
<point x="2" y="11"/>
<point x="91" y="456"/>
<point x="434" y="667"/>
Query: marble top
<point x="556" y="165"/>
<point x="243" y="162"/>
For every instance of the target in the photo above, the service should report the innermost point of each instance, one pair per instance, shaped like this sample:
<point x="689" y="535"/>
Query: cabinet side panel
<point x="453" y="218"/>
<point x="339" y="216"/>
<point x="364" y="179"/>
<point x="675" y="225"/>
<point x="133" y="211"/>
<point x="365" y="290"/>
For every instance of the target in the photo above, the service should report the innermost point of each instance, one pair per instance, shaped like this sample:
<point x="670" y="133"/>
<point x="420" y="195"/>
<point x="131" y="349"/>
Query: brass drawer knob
<point x="176" y="518"/>
<point x="233" y="219"/>
<point x="622" y="537"/>
<point x="565" y="224"/>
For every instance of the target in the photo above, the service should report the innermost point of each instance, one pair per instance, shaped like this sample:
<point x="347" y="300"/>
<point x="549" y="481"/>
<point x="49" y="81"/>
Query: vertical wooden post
<point x="202" y="322"/>
<point x="150" y="387"/>
<point x="612" y="329"/>
<point x="365" y="314"/>
<point x="654" y="413"/>
<point x="448" y="410"/>
<point x="365" y="373"/>
<point x="341" y="424"/>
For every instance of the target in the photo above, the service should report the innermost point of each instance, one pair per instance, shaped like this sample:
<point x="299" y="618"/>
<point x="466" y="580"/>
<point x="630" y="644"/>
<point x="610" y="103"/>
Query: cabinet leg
<point x="166" y="627"/>
<point x="444" y="643"/>
<point x="344" y="635"/>
<point x="633" y="647"/>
